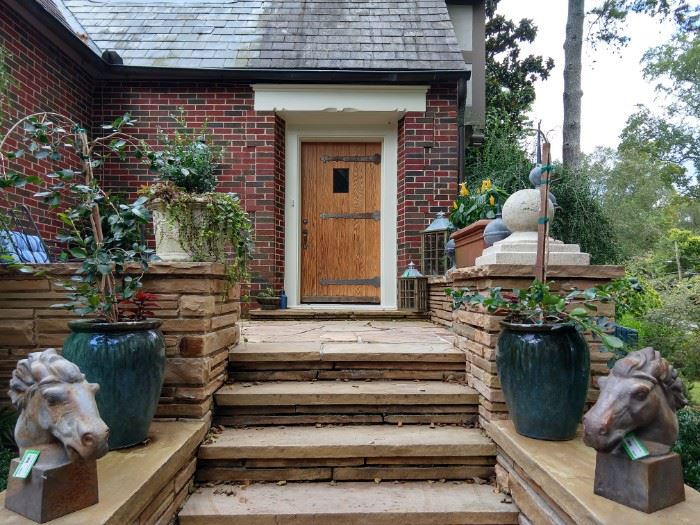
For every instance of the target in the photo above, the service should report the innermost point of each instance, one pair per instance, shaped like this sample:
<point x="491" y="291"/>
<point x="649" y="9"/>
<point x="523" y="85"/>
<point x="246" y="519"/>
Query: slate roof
<point x="271" y="34"/>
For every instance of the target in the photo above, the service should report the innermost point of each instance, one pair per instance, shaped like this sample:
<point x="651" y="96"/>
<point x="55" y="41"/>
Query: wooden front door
<point x="340" y="218"/>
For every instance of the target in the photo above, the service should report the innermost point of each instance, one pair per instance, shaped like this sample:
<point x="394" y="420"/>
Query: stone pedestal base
<point x="51" y="492"/>
<point x="521" y="248"/>
<point x="648" y="484"/>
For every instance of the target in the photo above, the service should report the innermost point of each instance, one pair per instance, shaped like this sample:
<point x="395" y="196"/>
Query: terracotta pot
<point x="469" y="243"/>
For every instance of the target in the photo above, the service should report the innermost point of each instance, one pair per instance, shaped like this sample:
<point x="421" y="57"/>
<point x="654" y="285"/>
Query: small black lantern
<point x="433" y="241"/>
<point x="413" y="290"/>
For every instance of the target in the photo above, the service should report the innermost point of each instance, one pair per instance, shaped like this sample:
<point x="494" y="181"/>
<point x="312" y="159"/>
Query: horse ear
<point x="94" y="387"/>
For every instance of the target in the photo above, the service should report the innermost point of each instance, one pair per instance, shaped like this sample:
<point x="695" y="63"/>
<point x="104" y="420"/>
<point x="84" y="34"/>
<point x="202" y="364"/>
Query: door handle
<point x="304" y="239"/>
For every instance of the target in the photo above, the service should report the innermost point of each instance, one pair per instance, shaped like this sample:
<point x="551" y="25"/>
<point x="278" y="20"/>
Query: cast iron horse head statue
<point x="641" y="395"/>
<point x="58" y="414"/>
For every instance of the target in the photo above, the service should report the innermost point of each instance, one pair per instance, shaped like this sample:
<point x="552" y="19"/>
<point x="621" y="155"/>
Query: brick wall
<point x="427" y="165"/>
<point x="43" y="79"/>
<point x="252" y="145"/>
<point x="252" y="142"/>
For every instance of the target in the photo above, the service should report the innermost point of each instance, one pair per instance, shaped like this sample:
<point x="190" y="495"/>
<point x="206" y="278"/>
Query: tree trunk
<point x="571" y="152"/>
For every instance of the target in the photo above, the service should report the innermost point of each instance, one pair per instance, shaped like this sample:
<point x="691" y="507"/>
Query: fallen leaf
<point x="281" y="483"/>
<point x="377" y="480"/>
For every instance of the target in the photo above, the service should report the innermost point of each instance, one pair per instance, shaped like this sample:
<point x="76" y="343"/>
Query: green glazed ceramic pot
<point x="127" y="359"/>
<point x="544" y="372"/>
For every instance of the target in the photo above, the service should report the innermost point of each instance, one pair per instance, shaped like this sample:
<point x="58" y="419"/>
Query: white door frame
<point x="387" y="135"/>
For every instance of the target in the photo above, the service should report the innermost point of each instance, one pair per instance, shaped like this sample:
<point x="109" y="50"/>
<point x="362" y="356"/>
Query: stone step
<point x="347" y="453"/>
<point x="310" y="314"/>
<point x="330" y="361"/>
<point x="341" y="402"/>
<point x="327" y="393"/>
<point x="413" y="503"/>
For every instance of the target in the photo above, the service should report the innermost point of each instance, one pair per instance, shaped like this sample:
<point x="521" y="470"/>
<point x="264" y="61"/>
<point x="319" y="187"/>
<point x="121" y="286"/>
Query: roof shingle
<point x="273" y="34"/>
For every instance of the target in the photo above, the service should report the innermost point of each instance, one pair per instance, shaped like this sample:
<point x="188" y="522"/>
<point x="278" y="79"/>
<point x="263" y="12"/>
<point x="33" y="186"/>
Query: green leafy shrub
<point x="6" y="456"/>
<point x="688" y="445"/>
<point x="187" y="159"/>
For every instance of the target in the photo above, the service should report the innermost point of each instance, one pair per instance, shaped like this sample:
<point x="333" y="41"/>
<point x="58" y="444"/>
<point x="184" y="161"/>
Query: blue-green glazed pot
<point x="544" y="372"/>
<point x="127" y="359"/>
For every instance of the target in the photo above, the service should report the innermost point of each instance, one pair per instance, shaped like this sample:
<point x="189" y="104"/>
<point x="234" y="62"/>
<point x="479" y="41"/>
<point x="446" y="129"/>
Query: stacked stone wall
<point x="200" y="313"/>
<point x="477" y="332"/>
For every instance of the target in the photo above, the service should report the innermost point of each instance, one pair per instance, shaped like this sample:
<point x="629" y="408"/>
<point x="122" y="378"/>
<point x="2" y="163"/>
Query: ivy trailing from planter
<point x="211" y="226"/>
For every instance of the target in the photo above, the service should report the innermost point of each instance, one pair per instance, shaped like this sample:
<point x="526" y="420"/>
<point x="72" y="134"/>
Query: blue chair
<point x="20" y="238"/>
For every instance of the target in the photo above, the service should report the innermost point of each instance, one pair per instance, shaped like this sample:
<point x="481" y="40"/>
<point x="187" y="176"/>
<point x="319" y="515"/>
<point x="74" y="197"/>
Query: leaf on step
<point x="399" y="424"/>
<point x="281" y="483"/>
<point x="377" y="480"/>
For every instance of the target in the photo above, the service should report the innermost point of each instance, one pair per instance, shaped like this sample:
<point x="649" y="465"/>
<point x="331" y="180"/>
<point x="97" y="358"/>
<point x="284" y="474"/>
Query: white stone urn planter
<point x="167" y="230"/>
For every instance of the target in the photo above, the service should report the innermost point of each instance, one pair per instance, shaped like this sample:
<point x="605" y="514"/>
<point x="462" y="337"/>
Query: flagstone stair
<point x="333" y="424"/>
<point x="346" y="361"/>
<point x="415" y="503"/>
<point x="347" y="453"/>
<point x="341" y="402"/>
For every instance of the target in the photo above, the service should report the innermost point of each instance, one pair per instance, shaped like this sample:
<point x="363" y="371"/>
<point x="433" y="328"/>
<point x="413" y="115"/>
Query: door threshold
<point x="337" y="314"/>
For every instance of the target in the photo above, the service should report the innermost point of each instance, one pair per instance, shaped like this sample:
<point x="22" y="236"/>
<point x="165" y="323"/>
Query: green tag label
<point x="26" y="463"/>
<point x="635" y="449"/>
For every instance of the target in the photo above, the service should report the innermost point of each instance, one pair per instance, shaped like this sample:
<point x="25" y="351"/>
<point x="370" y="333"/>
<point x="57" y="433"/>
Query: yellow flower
<point x="454" y="205"/>
<point x="492" y="200"/>
<point x="463" y="190"/>
<point x="486" y="184"/>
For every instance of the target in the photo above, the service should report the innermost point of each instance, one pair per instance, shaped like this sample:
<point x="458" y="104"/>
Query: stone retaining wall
<point x="477" y="333"/>
<point x="200" y="323"/>
<point x="439" y="305"/>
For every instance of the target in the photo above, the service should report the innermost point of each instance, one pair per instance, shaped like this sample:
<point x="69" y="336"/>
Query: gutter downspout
<point x="461" y="127"/>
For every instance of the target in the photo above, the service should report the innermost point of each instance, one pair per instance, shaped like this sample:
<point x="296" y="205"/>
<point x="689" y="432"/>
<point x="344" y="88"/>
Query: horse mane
<point x="648" y="364"/>
<point x="40" y="369"/>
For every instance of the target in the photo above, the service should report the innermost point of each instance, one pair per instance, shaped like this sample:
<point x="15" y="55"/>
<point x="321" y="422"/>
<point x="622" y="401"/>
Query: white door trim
<point x="387" y="135"/>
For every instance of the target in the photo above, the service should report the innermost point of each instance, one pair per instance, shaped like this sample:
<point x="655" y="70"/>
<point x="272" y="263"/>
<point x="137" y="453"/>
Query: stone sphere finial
<point x="521" y="212"/>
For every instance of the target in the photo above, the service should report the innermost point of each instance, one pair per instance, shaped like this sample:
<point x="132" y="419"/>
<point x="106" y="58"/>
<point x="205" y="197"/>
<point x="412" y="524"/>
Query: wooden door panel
<point x="341" y="228"/>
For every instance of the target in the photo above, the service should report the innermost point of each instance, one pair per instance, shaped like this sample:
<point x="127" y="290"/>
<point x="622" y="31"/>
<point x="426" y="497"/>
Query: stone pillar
<point x="200" y="313"/>
<point x="477" y="333"/>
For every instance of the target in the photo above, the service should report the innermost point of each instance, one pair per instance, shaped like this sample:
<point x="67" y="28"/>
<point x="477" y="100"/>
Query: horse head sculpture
<point x="58" y="414"/>
<point x="641" y="394"/>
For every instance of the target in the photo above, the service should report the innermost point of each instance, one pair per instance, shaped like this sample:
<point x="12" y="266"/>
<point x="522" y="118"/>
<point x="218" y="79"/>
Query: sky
<point x="613" y="83"/>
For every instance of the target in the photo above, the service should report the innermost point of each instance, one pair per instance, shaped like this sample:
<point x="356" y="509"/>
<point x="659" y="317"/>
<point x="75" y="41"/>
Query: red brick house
<point x="343" y="124"/>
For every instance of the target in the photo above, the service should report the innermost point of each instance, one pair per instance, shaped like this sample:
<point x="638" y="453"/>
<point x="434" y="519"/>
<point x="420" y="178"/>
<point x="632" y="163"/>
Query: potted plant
<point x="191" y="220"/>
<point x="268" y="299"/>
<point x="120" y="346"/>
<point x="471" y="213"/>
<point x="542" y="358"/>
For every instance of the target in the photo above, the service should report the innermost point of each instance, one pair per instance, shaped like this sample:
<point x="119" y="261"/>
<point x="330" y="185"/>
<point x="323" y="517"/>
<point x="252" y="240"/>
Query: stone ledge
<point x="564" y="471"/>
<point x="131" y="480"/>
<point x="602" y="272"/>
<point x="155" y="268"/>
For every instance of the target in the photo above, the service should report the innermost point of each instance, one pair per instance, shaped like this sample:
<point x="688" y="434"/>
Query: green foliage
<point x="581" y="219"/>
<point x="672" y="136"/>
<point x="211" y="226"/>
<point x="100" y="233"/>
<point x="634" y="297"/>
<point x="672" y="326"/>
<point x="6" y="455"/>
<point x="510" y="77"/>
<point x="267" y="292"/>
<point x="477" y="204"/>
<point x="538" y="305"/>
<point x="502" y="158"/>
<point x="610" y="16"/>
<point x="186" y="159"/>
<point x="8" y="420"/>
<point x="688" y="445"/>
